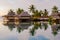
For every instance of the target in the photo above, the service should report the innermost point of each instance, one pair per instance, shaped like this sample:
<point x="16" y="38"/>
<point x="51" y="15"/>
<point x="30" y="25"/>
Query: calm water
<point x="29" y="31"/>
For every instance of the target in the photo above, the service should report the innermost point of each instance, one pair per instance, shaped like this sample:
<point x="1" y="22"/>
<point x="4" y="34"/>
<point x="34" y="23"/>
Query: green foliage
<point x="50" y="20"/>
<point x="36" y="13"/>
<point x="10" y="11"/>
<point x="45" y="12"/>
<point x="11" y="26"/>
<point x="19" y="29"/>
<point x="41" y="13"/>
<point x="45" y="26"/>
<point x="19" y="11"/>
<point x="55" y="9"/>
<point x="32" y="31"/>
<point x="54" y="33"/>
<point x="32" y="9"/>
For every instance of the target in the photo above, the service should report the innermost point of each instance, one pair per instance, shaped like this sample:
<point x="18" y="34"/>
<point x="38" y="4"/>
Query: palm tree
<point x="55" y="9"/>
<point x="45" y="12"/>
<point x="10" y="10"/>
<point x="19" y="11"/>
<point x="36" y="13"/>
<point x="32" y="8"/>
<point x="41" y="13"/>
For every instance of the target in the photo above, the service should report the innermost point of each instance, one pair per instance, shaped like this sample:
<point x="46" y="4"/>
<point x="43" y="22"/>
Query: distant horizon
<point x="5" y="5"/>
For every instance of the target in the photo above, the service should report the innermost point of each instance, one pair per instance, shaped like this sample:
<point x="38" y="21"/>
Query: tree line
<point x="36" y="12"/>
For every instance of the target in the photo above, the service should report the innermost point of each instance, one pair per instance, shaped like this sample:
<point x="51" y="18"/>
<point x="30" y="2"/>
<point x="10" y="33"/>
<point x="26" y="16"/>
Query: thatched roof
<point x="24" y="14"/>
<point x="11" y="14"/>
<point x="55" y="15"/>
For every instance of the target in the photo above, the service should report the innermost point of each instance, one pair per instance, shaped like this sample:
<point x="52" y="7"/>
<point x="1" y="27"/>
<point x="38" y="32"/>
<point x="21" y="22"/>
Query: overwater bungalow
<point x="56" y="16"/>
<point x="43" y="18"/>
<point x="24" y="16"/>
<point x="11" y="16"/>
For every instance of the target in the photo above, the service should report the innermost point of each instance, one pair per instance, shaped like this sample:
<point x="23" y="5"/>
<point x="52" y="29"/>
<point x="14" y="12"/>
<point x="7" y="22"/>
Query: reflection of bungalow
<point x="24" y="16"/>
<point x="55" y="28"/>
<point x="24" y="25"/>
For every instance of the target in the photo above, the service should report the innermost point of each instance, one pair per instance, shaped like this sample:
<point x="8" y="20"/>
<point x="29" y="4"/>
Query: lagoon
<point x="29" y="31"/>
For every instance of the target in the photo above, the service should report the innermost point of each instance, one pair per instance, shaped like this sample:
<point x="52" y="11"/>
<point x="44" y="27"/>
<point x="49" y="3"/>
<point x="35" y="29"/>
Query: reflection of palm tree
<point x="32" y="31"/>
<point x="40" y="26"/>
<point x="11" y="26"/>
<point x="45" y="26"/>
<point x="58" y="28"/>
<point x="54" y="33"/>
<point x="55" y="29"/>
<point x="19" y="29"/>
<point x="36" y="26"/>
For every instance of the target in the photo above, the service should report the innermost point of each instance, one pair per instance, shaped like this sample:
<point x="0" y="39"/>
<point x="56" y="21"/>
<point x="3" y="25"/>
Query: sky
<point x="5" y="5"/>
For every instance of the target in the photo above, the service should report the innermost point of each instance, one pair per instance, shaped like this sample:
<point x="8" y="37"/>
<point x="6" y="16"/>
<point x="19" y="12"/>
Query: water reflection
<point x="55" y="28"/>
<point x="21" y="26"/>
<point x="38" y="25"/>
<point x="42" y="25"/>
<point x="11" y="26"/>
